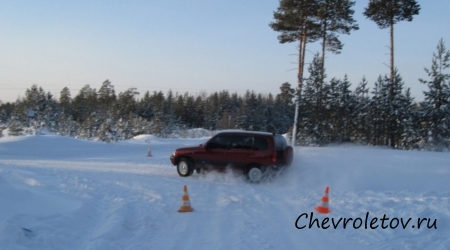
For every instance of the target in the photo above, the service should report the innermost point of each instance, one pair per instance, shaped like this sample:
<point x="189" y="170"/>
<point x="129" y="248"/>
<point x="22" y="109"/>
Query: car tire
<point x="185" y="167"/>
<point x="254" y="174"/>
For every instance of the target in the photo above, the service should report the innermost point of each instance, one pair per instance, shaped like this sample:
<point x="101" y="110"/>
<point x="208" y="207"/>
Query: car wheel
<point x="254" y="174"/>
<point x="184" y="167"/>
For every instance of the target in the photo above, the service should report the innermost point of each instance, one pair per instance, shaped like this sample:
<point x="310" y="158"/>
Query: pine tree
<point x="65" y="101"/>
<point x="106" y="132"/>
<point x="397" y="111"/>
<point x="437" y="99"/>
<point x="45" y="108"/>
<point x="84" y="104"/>
<point x="158" y="122"/>
<point x="179" y="110"/>
<point x="284" y="108"/>
<point x="377" y="113"/>
<point x="199" y="112"/>
<point x="345" y="110"/>
<point x="270" y="115"/>
<point x="169" y="118"/>
<point x="212" y="111"/>
<point x="313" y="116"/>
<point x="336" y="17"/>
<point x="409" y="122"/>
<point x="249" y="111"/>
<point x="6" y="111"/>
<point x="332" y="119"/>
<point x="126" y="103"/>
<point x="361" y="112"/>
<point x="261" y="112"/>
<point x="387" y="111"/>
<point x="235" y="106"/>
<point x="51" y="113"/>
<point x="387" y="13"/>
<point x="35" y="99"/>
<point x="65" y="118"/>
<point x="144" y="107"/>
<point x="297" y="21"/>
<point x="190" y="110"/>
<point x="106" y="98"/>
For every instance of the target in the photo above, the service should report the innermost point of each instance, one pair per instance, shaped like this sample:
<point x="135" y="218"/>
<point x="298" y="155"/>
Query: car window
<point x="260" y="143"/>
<point x="219" y="142"/>
<point x="240" y="142"/>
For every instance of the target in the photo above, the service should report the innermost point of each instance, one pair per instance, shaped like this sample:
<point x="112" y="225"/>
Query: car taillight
<point x="274" y="157"/>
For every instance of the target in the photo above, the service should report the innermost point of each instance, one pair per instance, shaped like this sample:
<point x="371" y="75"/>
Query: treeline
<point x="108" y="116"/>
<point x="330" y="111"/>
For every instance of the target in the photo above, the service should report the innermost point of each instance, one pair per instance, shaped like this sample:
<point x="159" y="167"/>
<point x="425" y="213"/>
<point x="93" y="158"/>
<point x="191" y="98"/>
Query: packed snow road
<point x="62" y="193"/>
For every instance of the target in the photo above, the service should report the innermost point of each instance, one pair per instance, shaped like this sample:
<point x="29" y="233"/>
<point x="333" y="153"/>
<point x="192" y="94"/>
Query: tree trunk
<point x="324" y="40"/>
<point x="392" y="119"/>
<point x="392" y="51"/>
<point x="322" y="66"/>
<point x="301" y="63"/>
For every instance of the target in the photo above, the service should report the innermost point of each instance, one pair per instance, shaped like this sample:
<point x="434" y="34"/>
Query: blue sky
<point x="191" y="46"/>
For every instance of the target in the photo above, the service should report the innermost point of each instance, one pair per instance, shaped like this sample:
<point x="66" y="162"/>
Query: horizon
<point x="204" y="46"/>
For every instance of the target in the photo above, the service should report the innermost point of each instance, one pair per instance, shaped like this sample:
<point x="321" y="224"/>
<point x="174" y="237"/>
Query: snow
<point x="63" y="193"/>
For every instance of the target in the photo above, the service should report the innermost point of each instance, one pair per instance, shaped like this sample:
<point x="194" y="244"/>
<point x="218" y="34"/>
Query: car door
<point x="241" y="150"/>
<point x="215" y="153"/>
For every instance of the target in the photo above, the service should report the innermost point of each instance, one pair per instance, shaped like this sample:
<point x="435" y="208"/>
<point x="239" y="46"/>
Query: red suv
<point x="253" y="153"/>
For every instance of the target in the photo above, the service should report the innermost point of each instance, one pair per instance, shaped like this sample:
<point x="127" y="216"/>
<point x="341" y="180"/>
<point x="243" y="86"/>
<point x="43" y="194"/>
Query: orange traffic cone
<point x="149" y="154"/>
<point x="185" y="203"/>
<point x="323" y="208"/>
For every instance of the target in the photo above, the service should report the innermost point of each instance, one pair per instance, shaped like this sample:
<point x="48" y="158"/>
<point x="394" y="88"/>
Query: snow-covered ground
<point x="62" y="193"/>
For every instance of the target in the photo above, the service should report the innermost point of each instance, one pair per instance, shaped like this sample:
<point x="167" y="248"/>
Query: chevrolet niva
<point x="255" y="154"/>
